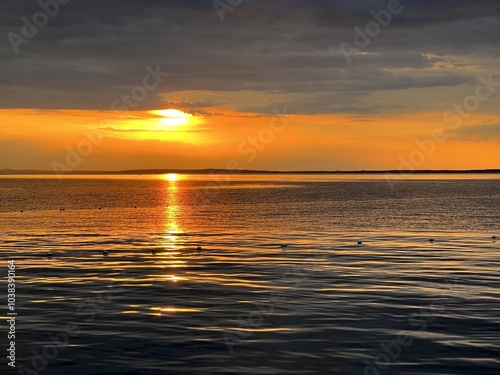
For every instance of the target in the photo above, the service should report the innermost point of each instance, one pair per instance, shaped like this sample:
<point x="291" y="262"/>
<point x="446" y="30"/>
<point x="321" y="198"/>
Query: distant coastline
<point x="7" y="171"/>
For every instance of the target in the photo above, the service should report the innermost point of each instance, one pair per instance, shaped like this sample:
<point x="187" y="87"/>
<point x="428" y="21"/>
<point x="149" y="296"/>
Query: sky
<point x="251" y="84"/>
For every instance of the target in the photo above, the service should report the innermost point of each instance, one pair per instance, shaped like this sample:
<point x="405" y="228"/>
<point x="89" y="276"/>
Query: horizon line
<point x="9" y="171"/>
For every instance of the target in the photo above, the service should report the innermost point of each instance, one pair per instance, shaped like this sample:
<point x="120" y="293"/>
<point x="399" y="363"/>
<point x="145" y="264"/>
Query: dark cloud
<point x="93" y="51"/>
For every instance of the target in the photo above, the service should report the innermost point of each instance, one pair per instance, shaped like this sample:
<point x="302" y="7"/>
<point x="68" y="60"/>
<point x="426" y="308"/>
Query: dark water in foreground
<point x="395" y="304"/>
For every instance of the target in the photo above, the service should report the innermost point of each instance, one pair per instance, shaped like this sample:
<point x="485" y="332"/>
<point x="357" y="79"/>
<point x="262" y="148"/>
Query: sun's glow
<point x="171" y="113"/>
<point x="172" y="177"/>
<point x="173" y="117"/>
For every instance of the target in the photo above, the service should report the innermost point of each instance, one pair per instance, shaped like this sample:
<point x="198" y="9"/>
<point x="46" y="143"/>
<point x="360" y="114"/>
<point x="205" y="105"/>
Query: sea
<point x="250" y="274"/>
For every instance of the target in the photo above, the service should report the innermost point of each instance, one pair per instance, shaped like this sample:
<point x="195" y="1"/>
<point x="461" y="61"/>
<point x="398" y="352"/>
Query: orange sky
<point x="38" y="139"/>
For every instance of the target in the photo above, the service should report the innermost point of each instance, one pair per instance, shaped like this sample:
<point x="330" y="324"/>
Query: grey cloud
<point x="93" y="51"/>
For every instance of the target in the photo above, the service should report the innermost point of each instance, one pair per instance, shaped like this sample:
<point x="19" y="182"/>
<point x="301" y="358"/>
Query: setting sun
<point x="173" y="117"/>
<point x="172" y="177"/>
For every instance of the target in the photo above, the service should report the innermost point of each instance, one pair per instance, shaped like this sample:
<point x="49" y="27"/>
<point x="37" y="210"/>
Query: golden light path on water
<point x="168" y="259"/>
<point x="172" y="212"/>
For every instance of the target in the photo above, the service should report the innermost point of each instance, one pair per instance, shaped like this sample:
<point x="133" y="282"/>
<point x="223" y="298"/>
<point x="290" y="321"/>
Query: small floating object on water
<point x="100" y="208"/>
<point x="49" y="255"/>
<point x="283" y="245"/>
<point x="492" y="237"/>
<point x="431" y="240"/>
<point x="153" y="252"/>
<point x="198" y="249"/>
<point x="105" y="253"/>
<point x="360" y="242"/>
<point x="22" y="210"/>
<point x="62" y="209"/>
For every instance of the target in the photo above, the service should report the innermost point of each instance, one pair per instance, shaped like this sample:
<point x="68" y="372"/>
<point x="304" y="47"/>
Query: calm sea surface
<point x="127" y="292"/>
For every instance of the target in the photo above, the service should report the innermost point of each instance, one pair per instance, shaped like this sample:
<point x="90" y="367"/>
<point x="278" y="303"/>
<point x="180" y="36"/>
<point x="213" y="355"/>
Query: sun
<point x="172" y="177"/>
<point x="173" y="117"/>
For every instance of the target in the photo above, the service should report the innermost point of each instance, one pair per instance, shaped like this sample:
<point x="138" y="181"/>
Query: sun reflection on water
<point x="172" y="213"/>
<point x="172" y="228"/>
